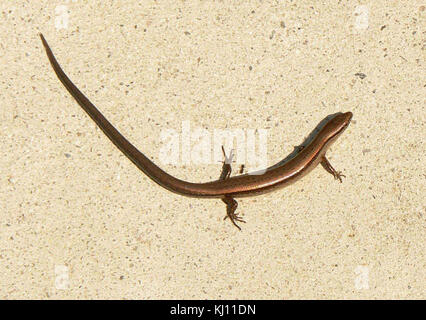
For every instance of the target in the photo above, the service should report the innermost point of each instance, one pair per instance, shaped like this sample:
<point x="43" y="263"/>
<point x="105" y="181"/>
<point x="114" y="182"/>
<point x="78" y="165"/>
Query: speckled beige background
<point x="78" y="220"/>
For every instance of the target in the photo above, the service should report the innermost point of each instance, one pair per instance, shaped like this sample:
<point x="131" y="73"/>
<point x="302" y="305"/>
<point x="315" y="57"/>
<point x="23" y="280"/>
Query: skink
<point x="226" y="188"/>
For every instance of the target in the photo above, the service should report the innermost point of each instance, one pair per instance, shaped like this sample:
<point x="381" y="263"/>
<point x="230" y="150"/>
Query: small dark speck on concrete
<point x="364" y="151"/>
<point x="282" y="24"/>
<point x="384" y="26"/>
<point x="67" y="155"/>
<point x="360" y="75"/>
<point x="187" y="33"/>
<point x="121" y="277"/>
<point x="250" y="68"/>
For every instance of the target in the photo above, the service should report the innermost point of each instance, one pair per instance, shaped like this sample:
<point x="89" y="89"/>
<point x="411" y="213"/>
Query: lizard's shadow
<point x="308" y="140"/>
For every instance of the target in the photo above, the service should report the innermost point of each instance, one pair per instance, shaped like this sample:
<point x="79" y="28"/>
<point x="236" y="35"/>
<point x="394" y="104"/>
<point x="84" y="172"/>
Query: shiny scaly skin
<point x="238" y="186"/>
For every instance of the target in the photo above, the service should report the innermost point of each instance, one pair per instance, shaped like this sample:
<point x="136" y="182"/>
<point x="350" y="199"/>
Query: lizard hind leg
<point x="231" y="203"/>
<point x="231" y="206"/>
<point x="226" y="167"/>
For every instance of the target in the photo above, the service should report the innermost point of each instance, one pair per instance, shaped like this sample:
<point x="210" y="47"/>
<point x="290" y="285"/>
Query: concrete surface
<point x="79" y="220"/>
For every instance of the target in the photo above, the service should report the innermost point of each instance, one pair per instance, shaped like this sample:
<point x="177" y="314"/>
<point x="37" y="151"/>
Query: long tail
<point x="138" y="158"/>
